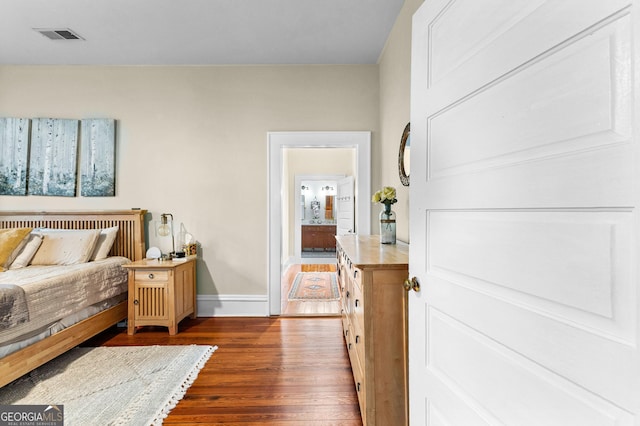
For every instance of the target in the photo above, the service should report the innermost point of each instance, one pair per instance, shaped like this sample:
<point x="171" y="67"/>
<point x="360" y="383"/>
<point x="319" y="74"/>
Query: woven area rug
<point x="314" y="286"/>
<point x="130" y="385"/>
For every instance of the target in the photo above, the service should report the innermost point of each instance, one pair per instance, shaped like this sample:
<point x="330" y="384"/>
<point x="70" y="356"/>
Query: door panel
<point x="345" y="203"/>
<point x="523" y="218"/>
<point x="473" y="43"/>
<point x="510" y="377"/>
<point x="542" y="110"/>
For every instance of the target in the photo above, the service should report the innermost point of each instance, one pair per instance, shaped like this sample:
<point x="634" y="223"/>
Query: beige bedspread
<point x="54" y="292"/>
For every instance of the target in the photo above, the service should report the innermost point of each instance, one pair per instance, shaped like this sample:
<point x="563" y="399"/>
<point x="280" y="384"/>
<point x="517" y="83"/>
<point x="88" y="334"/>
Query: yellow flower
<point x="386" y="195"/>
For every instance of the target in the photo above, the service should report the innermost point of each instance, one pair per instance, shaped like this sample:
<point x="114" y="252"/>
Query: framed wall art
<point x="14" y="155"/>
<point x="53" y="156"/>
<point x="97" y="158"/>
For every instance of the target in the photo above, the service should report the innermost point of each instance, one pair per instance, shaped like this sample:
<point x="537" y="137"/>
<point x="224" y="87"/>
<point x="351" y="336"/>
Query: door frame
<point x="277" y="141"/>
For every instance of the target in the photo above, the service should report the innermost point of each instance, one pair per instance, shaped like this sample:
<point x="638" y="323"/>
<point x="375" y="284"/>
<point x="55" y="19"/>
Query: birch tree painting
<point x="14" y="155"/>
<point x="52" y="164"/>
<point x="97" y="158"/>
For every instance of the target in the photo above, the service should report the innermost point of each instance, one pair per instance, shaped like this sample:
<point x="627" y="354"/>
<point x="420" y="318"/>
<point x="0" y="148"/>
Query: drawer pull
<point x="357" y="302"/>
<point x="349" y="346"/>
<point x="355" y="274"/>
<point x="347" y="293"/>
<point x="135" y="302"/>
<point x="150" y="276"/>
<point x="358" y="387"/>
<point x="357" y="339"/>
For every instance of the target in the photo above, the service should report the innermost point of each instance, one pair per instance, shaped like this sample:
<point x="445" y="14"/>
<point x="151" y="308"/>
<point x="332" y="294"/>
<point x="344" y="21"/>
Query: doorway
<point x="315" y="218"/>
<point x="278" y="208"/>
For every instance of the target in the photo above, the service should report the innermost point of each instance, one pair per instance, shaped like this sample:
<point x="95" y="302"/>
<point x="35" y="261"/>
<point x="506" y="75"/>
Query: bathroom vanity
<point x="319" y="237"/>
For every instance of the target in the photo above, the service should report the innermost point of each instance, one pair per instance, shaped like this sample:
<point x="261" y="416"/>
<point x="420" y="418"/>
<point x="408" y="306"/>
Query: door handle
<point x="412" y="284"/>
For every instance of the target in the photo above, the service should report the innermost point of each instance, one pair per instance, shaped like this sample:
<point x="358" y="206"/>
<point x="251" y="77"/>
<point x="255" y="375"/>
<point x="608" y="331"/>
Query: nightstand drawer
<point x="151" y="275"/>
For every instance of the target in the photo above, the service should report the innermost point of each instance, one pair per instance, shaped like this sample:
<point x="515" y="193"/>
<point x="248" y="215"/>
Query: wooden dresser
<point x="374" y="322"/>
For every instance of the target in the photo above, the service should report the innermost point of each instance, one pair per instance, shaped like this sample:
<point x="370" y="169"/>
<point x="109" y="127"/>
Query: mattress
<point x="53" y="293"/>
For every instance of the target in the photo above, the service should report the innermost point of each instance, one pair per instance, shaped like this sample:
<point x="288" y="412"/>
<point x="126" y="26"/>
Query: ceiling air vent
<point x="58" y="33"/>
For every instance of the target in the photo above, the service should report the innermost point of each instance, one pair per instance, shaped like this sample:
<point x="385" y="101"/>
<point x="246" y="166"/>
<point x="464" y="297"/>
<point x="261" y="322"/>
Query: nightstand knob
<point x="135" y="302"/>
<point x="150" y="276"/>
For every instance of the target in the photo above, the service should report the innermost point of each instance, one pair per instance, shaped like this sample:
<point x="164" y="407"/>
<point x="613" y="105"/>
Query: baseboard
<point x="233" y="305"/>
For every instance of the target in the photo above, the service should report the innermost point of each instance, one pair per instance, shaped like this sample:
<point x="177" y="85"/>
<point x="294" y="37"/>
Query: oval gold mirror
<point x="404" y="155"/>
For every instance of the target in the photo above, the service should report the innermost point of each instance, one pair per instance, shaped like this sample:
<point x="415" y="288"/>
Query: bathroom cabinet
<point x="374" y="322"/>
<point x="318" y="237"/>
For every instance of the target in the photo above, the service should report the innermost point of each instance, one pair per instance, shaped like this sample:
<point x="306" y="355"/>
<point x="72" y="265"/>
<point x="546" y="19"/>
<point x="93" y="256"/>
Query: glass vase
<point x="387" y="225"/>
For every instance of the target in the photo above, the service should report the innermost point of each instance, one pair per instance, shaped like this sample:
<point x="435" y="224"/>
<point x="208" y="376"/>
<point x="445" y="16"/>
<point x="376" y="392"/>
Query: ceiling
<point x="196" y="32"/>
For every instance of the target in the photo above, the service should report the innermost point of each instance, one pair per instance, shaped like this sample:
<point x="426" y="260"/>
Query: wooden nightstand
<point x="161" y="293"/>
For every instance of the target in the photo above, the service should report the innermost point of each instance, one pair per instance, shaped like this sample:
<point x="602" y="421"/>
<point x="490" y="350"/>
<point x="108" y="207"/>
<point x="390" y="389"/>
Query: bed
<point x="129" y="245"/>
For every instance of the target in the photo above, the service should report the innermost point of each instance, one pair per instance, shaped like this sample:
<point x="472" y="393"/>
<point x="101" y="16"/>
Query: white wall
<point x="192" y="141"/>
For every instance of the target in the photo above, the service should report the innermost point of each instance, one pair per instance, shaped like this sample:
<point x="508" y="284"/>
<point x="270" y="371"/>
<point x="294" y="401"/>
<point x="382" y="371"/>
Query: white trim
<point x="233" y="305"/>
<point x="277" y="141"/>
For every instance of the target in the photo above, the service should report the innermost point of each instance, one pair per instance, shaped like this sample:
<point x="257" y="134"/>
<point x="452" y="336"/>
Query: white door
<point x="524" y="225"/>
<point x="345" y="206"/>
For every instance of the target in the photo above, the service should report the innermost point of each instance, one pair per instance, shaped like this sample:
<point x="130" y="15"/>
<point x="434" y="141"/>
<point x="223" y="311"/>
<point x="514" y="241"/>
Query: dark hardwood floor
<point x="266" y="371"/>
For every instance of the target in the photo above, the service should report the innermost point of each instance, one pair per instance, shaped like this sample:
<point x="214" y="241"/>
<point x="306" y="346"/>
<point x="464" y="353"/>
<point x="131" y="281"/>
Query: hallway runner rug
<point x="127" y="385"/>
<point x="317" y="286"/>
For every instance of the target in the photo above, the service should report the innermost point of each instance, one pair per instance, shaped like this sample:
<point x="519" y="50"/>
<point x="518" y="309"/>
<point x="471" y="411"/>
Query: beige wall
<point x="395" y="91"/>
<point x="192" y="142"/>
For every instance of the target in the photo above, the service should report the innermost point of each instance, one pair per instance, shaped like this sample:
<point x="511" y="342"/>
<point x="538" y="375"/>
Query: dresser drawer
<point x="361" y="389"/>
<point x="356" y="277"/>
<point x="347" y="298"/>
<point x="345" y="328"/>
<point x="357" y="306"/>
<point x="358" y="341"/>
<point x="151" y="275"/>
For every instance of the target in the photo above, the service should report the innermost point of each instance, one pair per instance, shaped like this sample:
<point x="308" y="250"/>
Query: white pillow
<point x="104" y="244"/>
<point x="65" y="247"/>
<point x="29" y="250"/>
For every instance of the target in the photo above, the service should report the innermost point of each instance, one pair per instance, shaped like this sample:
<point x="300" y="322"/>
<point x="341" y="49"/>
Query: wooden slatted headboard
<point x="130" y="241"/>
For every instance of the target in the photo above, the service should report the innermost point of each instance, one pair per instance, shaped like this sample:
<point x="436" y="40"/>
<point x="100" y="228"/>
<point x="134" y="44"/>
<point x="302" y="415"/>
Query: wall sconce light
<point x="327" y="188"/>
<point x="304" y="188"/>
<point x="165" y="229"/>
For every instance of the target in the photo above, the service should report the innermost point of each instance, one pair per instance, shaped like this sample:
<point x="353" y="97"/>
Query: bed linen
<point x="53" y="293"/>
